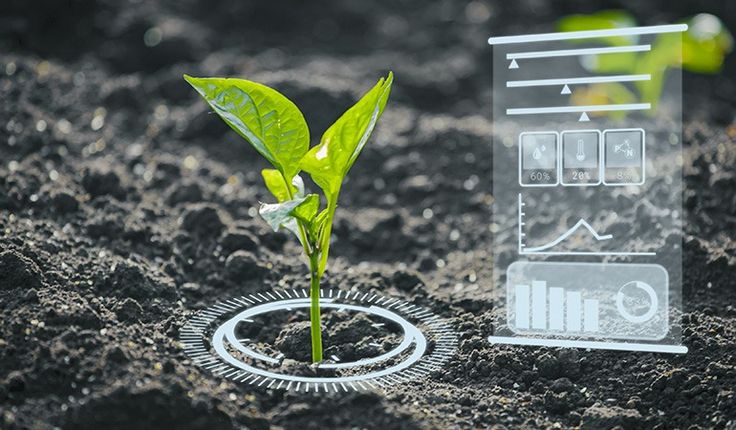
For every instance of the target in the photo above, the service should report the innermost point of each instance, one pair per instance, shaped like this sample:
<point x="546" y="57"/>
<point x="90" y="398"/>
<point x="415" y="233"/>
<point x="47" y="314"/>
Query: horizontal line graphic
<point x="630" y="31"/>
<point x="585" y="253"/>
<point x="567" y="109"/>
<point x="576" y="52"/>
<point x="566" y="343"/>
<point x="584" y="80"/>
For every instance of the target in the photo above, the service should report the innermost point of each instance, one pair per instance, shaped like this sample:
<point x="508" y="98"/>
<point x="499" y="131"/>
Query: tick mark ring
<point x="411" y="335"/>
<point x="212" y="349"/>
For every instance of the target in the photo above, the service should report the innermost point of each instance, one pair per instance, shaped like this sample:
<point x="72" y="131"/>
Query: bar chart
<point x="587" y="305"/>
<point x="542" y="308"/>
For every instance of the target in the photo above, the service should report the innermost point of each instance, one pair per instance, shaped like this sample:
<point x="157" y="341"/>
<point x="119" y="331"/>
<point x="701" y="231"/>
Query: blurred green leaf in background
<point x="704" y="46"/>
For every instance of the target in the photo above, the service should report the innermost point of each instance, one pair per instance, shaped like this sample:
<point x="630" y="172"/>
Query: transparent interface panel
<point x="587" y="166"/>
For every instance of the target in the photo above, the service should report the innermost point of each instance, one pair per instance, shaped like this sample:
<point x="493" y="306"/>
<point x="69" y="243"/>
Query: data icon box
<point x="588" y="300"/>
<point x="538" y="159"/>
<point x="581" y="157"/>
<point x="624" y="152"/>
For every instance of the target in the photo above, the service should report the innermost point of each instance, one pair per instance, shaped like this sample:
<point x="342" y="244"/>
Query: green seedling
<point x="276" y="128"/>
<point x="704" y="46"/>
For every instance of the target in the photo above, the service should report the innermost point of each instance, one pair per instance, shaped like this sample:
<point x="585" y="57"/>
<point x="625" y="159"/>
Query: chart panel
<point x="587" y="210"/>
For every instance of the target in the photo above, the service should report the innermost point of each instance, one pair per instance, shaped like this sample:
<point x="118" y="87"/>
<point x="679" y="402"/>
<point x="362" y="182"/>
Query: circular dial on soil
<point x="371" y="342"/>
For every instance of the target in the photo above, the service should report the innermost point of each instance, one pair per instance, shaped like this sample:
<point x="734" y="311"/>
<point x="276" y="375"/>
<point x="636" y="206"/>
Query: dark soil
<point x="125" y="205"/>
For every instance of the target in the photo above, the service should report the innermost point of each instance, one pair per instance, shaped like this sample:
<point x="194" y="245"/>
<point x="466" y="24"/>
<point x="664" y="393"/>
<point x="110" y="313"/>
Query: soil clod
<point x="19" y="271"/>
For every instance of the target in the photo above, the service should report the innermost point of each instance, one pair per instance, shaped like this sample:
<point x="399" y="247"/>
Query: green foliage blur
<point x="704" y="46"/>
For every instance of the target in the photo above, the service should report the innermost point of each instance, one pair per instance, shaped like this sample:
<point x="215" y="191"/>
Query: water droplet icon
<point x="537" y="154"/>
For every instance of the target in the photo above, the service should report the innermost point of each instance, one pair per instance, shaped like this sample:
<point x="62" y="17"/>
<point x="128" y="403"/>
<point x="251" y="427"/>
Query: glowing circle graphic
<point x="211" y="340"/>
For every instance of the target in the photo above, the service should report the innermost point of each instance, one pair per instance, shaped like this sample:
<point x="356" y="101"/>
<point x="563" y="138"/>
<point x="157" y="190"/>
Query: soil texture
<point x="125" y="205"/>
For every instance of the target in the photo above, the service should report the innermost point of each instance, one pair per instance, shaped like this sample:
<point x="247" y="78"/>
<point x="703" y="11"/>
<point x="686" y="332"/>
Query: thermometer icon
<point x="580" y="155"/>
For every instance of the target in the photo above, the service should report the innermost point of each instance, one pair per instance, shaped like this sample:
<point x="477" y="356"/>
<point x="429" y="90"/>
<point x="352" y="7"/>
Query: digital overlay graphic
<point x="587" y="190"/>
<point x="423" y="342"/>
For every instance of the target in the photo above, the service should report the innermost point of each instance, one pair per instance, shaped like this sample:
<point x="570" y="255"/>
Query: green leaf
<point x="602" y="20"/>
<point x="610" y="63"/>
<point x="318" y="223"/>
<point x="665" y="53"/>
<point x="705" y="44"/>
<point x="330" y="160"/>
<point x="278" y="214"/>
<point x="277" y="185"/>
<point x="306" y="211"/>
<point x="604" y="93"/>
<point x="261" y="115"/>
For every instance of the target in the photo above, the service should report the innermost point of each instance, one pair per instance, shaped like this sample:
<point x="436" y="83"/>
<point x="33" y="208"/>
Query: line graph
<point x="568" y="233"/>
<point x="545" y="248"/>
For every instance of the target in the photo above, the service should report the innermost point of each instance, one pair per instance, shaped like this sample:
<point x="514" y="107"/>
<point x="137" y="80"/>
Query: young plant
<point x="276" y="128"/>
